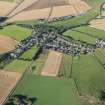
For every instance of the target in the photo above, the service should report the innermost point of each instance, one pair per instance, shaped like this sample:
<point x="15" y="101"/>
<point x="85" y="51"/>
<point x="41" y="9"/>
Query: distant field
<point x="81" y="37"/>
<point x="89" y="75"/>
<point x="48" y="91"/>
<point x="17" y="66"/>
<point x="91" y="31"/>
<point x="15" y="32"/>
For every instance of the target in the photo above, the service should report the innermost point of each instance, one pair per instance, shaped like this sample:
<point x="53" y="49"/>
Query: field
<point x="6" y="7"/>
<point x="52" y="64"/>
<point x="36" y="12"/>
<point x="66" y="66"/>
<point x="81" y="37"/>
<point x="48" y="91"/>
<point x="38" y="64"/>
<point x="28" y="55"/>
<point x="90" y="31"/>
<point x="89" y="75"/>
<point x="25" y="4"/>
<point x="6" y="44"/>
<point x="7" y="82"/>
<point x="98" y="24"/>
<point x="15" y="32"/>
<point x="46" y="3"/>
<point x="18" y="66"/>
<point x="53" y="78"/>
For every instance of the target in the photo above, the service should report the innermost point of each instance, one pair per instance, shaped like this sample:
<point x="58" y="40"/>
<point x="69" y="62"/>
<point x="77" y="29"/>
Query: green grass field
<point x="48" y="90"/>
<point x="39" y="63"/>
<point x="17" y="66"/>
<point x="15" y="32"/>
<point x="65" y="69"/>
<point x="89" y="75"/>
<point x="81" y="37"/>
<point x="91" y="31"/>
<point x="30" y="53"/>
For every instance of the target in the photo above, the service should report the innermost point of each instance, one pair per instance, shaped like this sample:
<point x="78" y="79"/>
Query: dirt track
<point x="6" y="44"/>
<point x="6" y="7"/>
<point x="7" y="81"/>
<point x="52" y="65"/>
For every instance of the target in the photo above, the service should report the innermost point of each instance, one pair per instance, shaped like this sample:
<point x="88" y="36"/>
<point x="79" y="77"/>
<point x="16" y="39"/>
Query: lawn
<point x="91" y="31"/>
<point x="15" y="32"/>
<point x="89" y="75"/>
<point x="17" y="66"/>
<point x="28" y="55"/>
<point x="48" y="90"/>
<point x="81" y="37"/>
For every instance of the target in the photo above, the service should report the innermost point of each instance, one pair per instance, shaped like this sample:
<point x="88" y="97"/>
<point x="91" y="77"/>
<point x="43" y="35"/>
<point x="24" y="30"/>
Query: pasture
<point x="17" y="66"/>
<point x="39" y="62"/>
<point x="89" y="75"/>
<point x="48" y="90"/>
<point x="80" y="37"/>
<point x="15" y="32"/>
<point x="66" y="66"/>
<point x="87" y="71"/>
<point x="90" y="31"/>
<point x="28" y="55"/>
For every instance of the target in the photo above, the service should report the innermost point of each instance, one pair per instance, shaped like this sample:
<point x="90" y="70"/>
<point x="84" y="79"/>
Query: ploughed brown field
<point x="6" y="44"/>
<point x="54" y="8"/>
<point x="7" y="81"/>
<point x="52" y="65"/>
